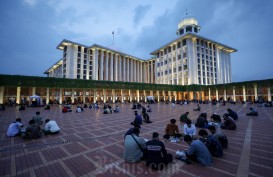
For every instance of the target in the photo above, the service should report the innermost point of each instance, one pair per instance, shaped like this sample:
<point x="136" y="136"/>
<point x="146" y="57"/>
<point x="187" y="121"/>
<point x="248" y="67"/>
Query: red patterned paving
<point x="91" y="144"/>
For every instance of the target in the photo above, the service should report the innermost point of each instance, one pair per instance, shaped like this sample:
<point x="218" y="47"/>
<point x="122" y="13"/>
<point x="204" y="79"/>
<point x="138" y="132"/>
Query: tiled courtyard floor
<point x="91" y="144"/>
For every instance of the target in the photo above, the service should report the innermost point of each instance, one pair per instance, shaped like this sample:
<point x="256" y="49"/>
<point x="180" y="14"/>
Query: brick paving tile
<point x="79" y="165"/>
<point x="91" y="143"/>
<point x="260" y="170"/>
<point x="24" y="175"/>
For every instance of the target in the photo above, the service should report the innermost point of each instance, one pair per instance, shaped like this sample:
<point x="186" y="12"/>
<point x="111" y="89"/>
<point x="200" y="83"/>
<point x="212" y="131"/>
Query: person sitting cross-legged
<point x="219" y="135"/>
<point x="197" y="151"/>
<point x="228" y="123"/>
<point x="156" y="153"/>
<point x="189" y="129"/>
<point x="51" y="127"/>
<point x="232" y="114"/>
<point x="33" y="131"/>
<point x="172" y="130"/>
<point x="116" y="110"/>
<point x="198" y="108"/>
<point x="134" y="146"/>
<point x="184" y="117"/>
<point x="137" y="120"/>
<point x="202" y="121"/>
<point x="149" y="109"/>
<point x="37" y="118"/>
<point x="214" y="146"/>
<point x="252" y="112"/>
<point x="146" y="117"/>
<point x="14" y="128"/>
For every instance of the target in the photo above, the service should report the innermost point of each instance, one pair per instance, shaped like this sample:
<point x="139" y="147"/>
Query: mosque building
<point x="189" y="59"/>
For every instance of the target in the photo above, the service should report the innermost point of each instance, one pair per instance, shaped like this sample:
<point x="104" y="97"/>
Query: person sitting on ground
<point x="189" y="129"/>
<point x="149" y="109"/>
<point x="106" y="110"/>
<point x="47" y="107"/>
<point x="37" y="118"/>
<point x="134" y="106"/>
<point x="197" y="151"/>
<point x="137" y="120"/>
<point x="198" y="108"/>
<point x="51" y="127"/>
<point x="33" y="131"/>
<point x="143" y="109"/>
<point x="129" y="132"/>
<point x="216" y="121"/>
<point x="78" y="110"/>
<point x="146" y="117"/>
<point x="90" y="106"/>
<point x="220" y="136"/>
<point x="96" y="106"/>
<point x="268" y="104"/>
<point x="85" y="105"/>
<point x="232" y="114"/>
<point x="214" y="146"/>
<point x="229" y="123"/>
<point x="22" y="107"/>
<point x="15" y="128"/>
<point x="252" y="112"/>
<point x="138" y="106"/>
<point x="172" y="130"/>
<point x="134" y="147"/>
<point x="157" y="156"/>
<point x="184" y="117"/>
<point x="2" y="107"/>
<point x="202" y="121"/>
<point x="116" y="109"/>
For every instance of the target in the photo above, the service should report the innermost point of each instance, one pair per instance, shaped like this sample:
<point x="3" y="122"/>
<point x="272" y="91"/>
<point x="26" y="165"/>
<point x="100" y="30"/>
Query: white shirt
<point x="52" y="126"/>
<point x="14" y="128"/>
<point x="79" y="110"/>
<point x="189" y="130"/>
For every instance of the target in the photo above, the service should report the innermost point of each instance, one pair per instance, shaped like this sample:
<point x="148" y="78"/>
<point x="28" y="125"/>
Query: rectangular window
<point x="79" y="55"/>
<point x="65" y="48"/>
<point x="85" y="50"/>
<point x="197" y="41"/>
<point x="184" y="42"/>
<point x="84" y="71"/>
<point x="180" y="68"/>
<point x="178" y="45"/>
<point x="84" y="66"/>
<point x="78" y="76"/>
<point x="79" y="48"/>
<point x="174" y="70"/>
<point x="184" y="55"/>
<point x="165" y="62"/>
<point x="169" y="49"/>
<point x="158" y="74"/>
<point x="79" y="66"/>
<point x="173" y="47"/>
<point x="188" y="29"/>
<point x="185" y="67"/>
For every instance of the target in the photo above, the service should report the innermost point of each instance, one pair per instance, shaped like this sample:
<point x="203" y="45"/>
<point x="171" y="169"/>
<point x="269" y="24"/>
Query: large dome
<point x="187" y="21"/>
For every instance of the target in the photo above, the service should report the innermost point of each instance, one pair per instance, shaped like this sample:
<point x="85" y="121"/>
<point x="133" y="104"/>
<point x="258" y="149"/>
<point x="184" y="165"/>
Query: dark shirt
<point x="156" y="152"/>
<point x="229" y="124"/>
<point x="201" y="122"/>
<point x="33" y="131"/>
<point x="129" y="132"/>
<point x="138" y="120"/>
<point x="233" y="115"/>
<point x="214" y="146"/>
<point x="184" y="118"/>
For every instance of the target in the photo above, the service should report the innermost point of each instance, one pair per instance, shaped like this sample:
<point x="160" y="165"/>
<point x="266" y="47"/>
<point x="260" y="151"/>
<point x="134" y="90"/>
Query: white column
<point x="145" y="96"/>
<point x="170" y="95"/>
<point x="116" y="68"/>
<point x="95" y="64"/>
<point x="152" y="72"/>
<point x="94" y="96"/>
<point x="101" y="65"/>
<point x="130" y="95"/>
<point x="18" y="95"/>
<point x="106" y="67"/>
<point x="256" y="92"/>
<point x="33" y="90"/>
<point x="84" y="95"/>
<point x="61" y="96"/>
<point x="141" y="74"/>
<point x="114" y="95"/>
<point x="268" y="94"/>
<point x="137" y="95"/>
<point x="124" y="70"/>
<point x="244" y="93"/>
<point x="175" y="95"/>
<point x="234" y="94"/>
<point x="135" y="80"/>
<point x="209" y="95"/>
<point x="164" y="98"/>
<point x="120" y="68"/>
<point x="132" y="70"/>
<point x="128" y="70"/>
<point x="122" y="96"/>
<point x="73" y="95"/>
<point x="47" y="95"/>
<point x="225" y="94"/>
<point x="104" y="95"/>
<point x="158" y="96"/>
<point x="149" y="72"/>
<point x="2" y="90"/>
<point x="217" y="97"/>
<point x="111" y="67"/>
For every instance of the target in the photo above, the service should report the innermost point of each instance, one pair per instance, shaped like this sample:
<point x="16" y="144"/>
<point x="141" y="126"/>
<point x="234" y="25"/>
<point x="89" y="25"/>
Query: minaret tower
<point x="187" y="25"/>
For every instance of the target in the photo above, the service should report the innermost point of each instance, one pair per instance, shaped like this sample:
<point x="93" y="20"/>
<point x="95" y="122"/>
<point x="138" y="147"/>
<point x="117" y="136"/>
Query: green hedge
<point x="34" y="81"/>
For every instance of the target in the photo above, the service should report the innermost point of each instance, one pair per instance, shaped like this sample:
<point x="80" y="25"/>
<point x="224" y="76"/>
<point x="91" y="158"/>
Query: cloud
<point x="30" y="2"/>
<point x="140" y="12"/>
